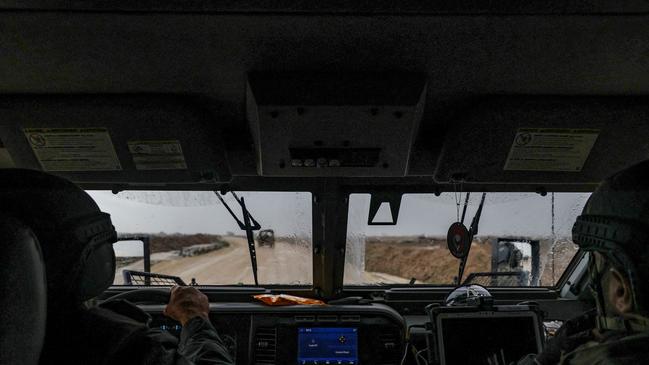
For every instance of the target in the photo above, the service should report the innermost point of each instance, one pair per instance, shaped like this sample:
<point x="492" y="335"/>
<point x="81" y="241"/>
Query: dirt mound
<point x="173" y="242"/>
<point x="426" y="260"/>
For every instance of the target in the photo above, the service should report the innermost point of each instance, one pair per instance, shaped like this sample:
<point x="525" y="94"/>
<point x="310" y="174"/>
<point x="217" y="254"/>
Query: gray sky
<point x="517" y="214"/>
<point x="201" y="212"/>
<point x="526" y="214"/>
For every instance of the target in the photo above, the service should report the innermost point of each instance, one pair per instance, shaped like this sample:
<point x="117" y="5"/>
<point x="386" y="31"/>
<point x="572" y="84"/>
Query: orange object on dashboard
<point x="283" y="299"/>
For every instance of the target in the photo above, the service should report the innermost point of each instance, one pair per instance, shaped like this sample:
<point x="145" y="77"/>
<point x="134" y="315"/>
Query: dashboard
<point x="303" y="335"/>
<point x="374" y="333"/>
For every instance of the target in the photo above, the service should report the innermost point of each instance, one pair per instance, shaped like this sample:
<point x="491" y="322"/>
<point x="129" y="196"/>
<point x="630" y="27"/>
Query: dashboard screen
<point x="501" y="340"/>
<point x="327" y="345"/>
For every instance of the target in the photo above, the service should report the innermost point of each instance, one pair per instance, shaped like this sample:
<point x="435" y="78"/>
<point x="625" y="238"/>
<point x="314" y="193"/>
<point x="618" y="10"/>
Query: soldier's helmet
<point x="615" y="223"/>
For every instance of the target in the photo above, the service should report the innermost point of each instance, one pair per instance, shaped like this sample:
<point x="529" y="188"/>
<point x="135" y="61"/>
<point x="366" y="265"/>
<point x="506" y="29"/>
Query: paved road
<point x="286" y="263"/>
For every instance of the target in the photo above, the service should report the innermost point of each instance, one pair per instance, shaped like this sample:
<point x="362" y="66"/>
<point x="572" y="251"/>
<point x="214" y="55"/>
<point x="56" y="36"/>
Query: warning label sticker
<point x="545" y="149"/>
<point x="5" y="158"/>
<point x="157" y="155"/>
<point x="73" y="149"/>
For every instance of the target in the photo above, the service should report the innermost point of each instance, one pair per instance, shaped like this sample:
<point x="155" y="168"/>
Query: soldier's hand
<point x="186" y="303"/>
<point x="571" y="335"/>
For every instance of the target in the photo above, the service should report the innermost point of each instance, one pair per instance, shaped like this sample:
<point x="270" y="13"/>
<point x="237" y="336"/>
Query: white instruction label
<point x="546" y="149"/>
<point x="157" y="155"/>
<point x="5" y="157"/>
<point x="73" y="149"/>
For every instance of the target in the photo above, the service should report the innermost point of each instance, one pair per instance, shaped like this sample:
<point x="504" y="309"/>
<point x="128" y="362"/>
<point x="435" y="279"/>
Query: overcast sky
<point x="526" y="214"/>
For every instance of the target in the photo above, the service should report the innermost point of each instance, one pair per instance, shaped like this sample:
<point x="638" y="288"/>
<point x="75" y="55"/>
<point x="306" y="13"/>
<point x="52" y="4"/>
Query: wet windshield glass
<point x="524" y="239"/>
<point x="193" y="236"/>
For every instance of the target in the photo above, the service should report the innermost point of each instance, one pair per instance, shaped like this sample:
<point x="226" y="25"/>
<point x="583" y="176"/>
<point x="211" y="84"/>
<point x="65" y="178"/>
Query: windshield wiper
<point x="249" y="225"/>
<point x="473" y="230"/>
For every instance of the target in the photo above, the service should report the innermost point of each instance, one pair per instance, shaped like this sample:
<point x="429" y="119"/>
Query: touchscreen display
<point x="327" y="345"/>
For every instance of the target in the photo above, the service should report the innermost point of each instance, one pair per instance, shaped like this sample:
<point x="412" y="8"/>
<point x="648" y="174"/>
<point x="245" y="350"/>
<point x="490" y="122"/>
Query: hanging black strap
<point x="466" y="203"/>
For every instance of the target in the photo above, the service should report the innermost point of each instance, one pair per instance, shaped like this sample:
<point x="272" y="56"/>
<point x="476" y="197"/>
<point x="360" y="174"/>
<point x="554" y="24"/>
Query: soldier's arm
<point x="199" y="341"/>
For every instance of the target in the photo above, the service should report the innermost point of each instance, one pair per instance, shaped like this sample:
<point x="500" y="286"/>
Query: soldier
<point x="76" y="241"/>
<point x="614" y="229"/>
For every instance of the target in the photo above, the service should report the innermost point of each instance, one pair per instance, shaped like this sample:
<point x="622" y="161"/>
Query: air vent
<point x="265" y="346"/>
<point x="304" y="318"/>
<point x="350" y="318"/>
<point x="328" y="318"/>
<point x="389" y="348"/>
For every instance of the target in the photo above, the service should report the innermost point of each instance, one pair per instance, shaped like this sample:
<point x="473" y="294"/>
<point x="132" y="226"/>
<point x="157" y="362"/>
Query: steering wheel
<point x="143" y="295"/>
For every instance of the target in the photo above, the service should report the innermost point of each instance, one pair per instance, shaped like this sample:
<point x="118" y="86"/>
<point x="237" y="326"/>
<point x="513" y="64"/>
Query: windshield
<point x="193" y="236"/>
<point x="524" y="239"/>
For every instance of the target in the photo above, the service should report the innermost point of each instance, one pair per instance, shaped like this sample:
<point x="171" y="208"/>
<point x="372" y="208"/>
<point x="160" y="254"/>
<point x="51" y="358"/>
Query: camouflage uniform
<point x="578" y="343"/>
<point x="614" y="347"/>
<point x="623" y="341"/>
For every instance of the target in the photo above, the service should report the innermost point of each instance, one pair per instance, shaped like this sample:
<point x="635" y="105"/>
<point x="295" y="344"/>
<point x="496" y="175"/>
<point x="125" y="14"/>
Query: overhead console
<point x="334" y="125"/>
<point x="305" y="335"/>
<point x="114" y="141"/>
<point x="544" y="140"/>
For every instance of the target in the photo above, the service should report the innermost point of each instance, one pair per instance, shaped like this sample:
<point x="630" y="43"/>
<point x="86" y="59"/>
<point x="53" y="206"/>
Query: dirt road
<point x="286" y="263"/>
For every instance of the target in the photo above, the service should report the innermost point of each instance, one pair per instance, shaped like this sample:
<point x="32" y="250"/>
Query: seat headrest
<point x="23" y="294"/>
<point x="75" y="236"/>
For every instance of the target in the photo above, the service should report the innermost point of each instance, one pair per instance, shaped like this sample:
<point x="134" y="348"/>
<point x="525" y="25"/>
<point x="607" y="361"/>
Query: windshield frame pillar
<point x="330" y="205"/>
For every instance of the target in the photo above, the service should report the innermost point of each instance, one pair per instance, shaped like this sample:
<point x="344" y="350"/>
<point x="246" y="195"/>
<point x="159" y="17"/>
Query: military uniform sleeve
<point x="201" y="344"/>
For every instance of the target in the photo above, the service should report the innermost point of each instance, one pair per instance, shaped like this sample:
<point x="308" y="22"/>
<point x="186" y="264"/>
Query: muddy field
<point x="552" y="270"/>
<point x="428" y="260"/>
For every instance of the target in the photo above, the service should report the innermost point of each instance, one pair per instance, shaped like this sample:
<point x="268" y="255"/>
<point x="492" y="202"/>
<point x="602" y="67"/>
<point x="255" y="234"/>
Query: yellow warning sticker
<point x="73" y="149"/>
<point x="157" y="155"/>
<point x="5" y="157"/>
<point x="547" y="149"/>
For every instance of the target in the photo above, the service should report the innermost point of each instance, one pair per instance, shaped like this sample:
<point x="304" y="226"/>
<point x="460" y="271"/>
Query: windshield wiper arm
<point x="473" y="230"/>
<point x="249" y="225"/>
<point x="255" y="226"/>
